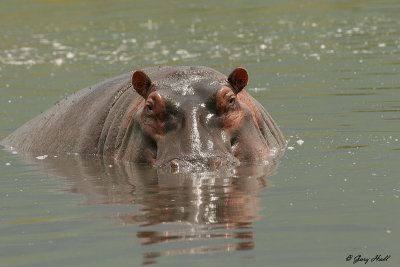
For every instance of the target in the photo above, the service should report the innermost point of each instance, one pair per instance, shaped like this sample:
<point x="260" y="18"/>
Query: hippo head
<point x="197" y="117"/>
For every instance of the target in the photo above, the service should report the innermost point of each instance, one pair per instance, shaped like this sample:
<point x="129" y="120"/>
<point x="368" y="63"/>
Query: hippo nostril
<point x="174" y="164"/>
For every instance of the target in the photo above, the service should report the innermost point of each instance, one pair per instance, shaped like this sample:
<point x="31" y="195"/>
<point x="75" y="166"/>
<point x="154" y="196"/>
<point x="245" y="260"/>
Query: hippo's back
<point x="74" y="124"/>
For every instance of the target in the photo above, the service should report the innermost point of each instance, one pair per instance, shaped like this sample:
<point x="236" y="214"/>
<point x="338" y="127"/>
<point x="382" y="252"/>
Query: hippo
<point x="175" y="117"/>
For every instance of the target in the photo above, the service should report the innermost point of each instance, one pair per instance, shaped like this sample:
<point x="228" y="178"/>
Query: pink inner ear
<point x="141" y="82"/>
<point x="139" y="78"/>
<point x="239" y="78"/>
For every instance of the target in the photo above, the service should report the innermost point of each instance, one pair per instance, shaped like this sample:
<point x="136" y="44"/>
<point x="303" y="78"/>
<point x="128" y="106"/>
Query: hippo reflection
<point x="206" y="206"/>
<point x="173" y="117"/>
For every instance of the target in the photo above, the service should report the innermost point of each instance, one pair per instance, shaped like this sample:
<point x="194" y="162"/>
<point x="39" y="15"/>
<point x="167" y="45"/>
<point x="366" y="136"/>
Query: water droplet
<point x="58" y="61"/>
<point x="42" y="157"/>
<point x="300" y="142"/>
<point x="70" y="55"/>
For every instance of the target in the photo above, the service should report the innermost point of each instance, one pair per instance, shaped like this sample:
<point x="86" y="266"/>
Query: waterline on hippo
<point x="178" y="118"/>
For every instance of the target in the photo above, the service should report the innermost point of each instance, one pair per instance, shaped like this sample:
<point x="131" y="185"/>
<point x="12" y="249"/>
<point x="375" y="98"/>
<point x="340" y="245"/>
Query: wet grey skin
<point x="113" y="119"/>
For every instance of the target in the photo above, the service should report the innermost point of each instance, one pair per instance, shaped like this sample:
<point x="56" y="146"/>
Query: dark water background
<point x="327" y="71"/>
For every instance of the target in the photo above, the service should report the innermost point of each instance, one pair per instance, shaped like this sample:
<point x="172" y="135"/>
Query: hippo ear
<point x="238" y="79"/>
<point x="141" y="83"/>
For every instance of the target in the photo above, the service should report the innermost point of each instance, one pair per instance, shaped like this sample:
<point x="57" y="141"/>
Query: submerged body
<point x="170" y="116"/>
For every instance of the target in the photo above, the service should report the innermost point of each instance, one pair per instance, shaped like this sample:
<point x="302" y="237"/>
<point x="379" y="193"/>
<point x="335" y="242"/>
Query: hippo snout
<point x="193" y="163"/>
<point x="210" y="163"/>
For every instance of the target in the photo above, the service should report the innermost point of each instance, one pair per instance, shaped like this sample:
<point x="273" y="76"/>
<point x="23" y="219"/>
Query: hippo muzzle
<point x="199" y="163"/>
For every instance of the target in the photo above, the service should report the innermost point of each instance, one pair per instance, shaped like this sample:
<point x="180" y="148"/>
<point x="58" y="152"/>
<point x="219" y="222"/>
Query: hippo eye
<point x="149" y="108"/>
<point x="232" y="100"/>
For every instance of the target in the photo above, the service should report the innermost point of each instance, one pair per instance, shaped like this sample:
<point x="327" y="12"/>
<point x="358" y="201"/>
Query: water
<point x="327" y="71"/>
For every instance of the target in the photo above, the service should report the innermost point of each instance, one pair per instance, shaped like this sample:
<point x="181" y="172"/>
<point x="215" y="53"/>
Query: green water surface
<point x="327" y="71"/>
